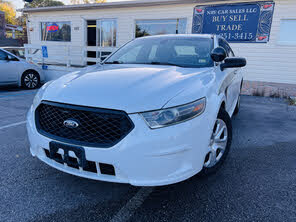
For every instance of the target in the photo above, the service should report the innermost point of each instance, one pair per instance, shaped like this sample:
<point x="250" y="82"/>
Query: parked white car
<point x="17" y="71"/>
<point x="156" y="112"/>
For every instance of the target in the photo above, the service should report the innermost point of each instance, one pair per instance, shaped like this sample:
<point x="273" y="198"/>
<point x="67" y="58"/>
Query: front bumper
<point x="144" y="157"/>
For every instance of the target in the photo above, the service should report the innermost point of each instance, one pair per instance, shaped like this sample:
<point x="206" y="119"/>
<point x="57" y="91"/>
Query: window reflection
<point x="56" y="31"/>
<point x="159" y="27"/>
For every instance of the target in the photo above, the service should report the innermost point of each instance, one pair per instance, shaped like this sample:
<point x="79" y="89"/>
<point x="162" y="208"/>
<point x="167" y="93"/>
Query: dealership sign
<point x="245" y="22"/>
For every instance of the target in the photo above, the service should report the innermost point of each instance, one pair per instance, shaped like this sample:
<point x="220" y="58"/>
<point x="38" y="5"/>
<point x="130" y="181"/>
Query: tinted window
<point x="3" y="55"/>
<point x="56" y="31"/>
<point x="91" y="32"/>
<point x="159" y="27"/>
<point x="186" y="52"/>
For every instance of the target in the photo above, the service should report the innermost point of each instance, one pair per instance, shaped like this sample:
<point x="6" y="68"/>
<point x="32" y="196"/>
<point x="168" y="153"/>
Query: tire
<point x="209" y="168"/>
<point x="236" y="110"/>
<point x="30" y="80"/>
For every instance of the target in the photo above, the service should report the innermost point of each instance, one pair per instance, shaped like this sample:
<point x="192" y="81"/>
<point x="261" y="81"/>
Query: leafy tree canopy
<point x="43" y="3"/>
<point x="9" y="11"/>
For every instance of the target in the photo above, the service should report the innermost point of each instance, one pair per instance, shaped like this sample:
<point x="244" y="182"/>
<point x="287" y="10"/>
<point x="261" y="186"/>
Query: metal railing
<point x="68" y="56"/>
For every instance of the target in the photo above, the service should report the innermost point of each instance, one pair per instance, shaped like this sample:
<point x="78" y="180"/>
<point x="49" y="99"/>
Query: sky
<point x="20" y="3"/>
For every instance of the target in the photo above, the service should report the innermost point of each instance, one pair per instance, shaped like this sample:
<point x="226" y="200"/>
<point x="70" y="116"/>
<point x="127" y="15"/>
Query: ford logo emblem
<point x="69" y="123"/>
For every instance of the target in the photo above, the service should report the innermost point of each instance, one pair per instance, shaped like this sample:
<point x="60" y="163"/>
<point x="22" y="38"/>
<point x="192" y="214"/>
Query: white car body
<point x="145" y="156"/>
<point x="11" y="71"/>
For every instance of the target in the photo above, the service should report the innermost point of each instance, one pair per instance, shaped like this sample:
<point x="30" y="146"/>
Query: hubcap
<point x="31" y="80"/>
<point x="218" y="144"/>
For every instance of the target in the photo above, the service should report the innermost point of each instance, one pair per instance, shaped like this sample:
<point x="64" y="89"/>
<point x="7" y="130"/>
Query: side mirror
<point x="233" y="63"/>
<point x="218" y="54"/>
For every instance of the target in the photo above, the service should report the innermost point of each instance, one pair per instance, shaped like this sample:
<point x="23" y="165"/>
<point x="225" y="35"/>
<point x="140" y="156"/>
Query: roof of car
<point x="12" y="47"/>
<point x="181" y="36"/>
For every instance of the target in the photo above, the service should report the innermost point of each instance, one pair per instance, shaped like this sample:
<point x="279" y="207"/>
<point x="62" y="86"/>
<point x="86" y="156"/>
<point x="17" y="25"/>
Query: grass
<point x="278" y="94"/>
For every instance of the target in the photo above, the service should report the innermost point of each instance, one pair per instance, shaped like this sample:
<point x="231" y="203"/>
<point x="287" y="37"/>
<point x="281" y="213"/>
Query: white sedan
<point x="156" y="112"/>
<point x="17" y="71"/>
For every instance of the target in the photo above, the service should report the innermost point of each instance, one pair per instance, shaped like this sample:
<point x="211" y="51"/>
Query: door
<point x="101" y="39"/>
<point x="233" y="79"/>
<point x="9" y="68"/>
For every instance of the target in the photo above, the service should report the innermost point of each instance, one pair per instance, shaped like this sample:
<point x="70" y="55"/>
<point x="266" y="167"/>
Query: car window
<point x="131" y="55"/>
<point x="186" y="52"/>
<point x="3" y="55"/>
<point x="21" y="53"/>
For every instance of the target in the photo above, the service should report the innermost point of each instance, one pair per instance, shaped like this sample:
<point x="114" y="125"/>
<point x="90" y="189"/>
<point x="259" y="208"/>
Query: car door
<point x="9" y="68"/>
<point x="232" y="79"/>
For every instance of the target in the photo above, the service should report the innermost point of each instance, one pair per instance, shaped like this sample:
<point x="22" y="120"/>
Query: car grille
<point x="97" y="127"/>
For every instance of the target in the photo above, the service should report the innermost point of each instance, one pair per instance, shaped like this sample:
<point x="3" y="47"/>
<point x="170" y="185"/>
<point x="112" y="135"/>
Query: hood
<point x="132" y="88"/>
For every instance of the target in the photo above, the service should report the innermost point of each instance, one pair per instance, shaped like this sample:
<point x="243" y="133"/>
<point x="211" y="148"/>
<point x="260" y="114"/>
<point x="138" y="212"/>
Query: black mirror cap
<point x="218" y="54"/>
<point x="234" y="62"/>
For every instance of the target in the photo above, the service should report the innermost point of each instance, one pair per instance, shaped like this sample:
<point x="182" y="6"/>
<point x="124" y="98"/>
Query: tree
<point x="43" y="3"/>
<point x="140" y="32"/>
<point x="9" y="11"/>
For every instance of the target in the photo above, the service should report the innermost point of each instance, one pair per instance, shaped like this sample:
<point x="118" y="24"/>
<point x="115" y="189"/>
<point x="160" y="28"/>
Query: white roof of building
<point x="119" y="4"/>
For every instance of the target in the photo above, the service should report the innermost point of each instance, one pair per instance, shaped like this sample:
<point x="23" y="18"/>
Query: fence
<point x="68" y="56"/>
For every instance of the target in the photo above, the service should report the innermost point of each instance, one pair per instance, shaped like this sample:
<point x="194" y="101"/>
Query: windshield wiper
<point x="164" y="63"/>
<point x="114" y="62"/>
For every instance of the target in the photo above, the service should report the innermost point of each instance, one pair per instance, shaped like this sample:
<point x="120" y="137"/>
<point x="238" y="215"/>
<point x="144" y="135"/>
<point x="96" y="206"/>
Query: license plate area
<point x="79" y="161"/>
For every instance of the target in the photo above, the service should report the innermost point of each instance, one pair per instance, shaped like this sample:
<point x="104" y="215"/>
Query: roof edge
<point x="121" y="4"/>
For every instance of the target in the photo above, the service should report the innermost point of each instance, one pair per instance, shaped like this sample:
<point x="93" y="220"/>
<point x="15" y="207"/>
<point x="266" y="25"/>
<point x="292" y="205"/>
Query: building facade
<point x="86" y="34"/>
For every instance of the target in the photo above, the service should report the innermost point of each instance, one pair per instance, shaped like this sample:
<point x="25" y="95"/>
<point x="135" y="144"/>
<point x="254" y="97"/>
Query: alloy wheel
<point x="31" y="81"/>
<point x="218" y="144"/>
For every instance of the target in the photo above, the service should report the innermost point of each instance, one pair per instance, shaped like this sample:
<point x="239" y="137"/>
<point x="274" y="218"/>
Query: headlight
<point x="39" y="94"/>
<point x="174" y="115"/>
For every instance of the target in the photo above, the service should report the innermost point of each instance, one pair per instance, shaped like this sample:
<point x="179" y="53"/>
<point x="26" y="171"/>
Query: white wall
<point x="272" y="62"/>
<point x="269" y="62"/>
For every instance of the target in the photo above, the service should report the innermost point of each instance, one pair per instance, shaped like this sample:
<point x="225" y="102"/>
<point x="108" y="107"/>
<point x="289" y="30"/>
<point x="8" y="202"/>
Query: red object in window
<point x="199" y="10"/>
<point x="260" y="38"/>
<point x="267" y="6"/>
<point x="52" y="28"/>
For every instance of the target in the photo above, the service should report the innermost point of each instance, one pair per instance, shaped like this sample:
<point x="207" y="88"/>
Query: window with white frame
<point x="160" y="26"/>
<point x="56" y="31"/>
<point x="102" y="34"/>
<point x="287" y="32"/>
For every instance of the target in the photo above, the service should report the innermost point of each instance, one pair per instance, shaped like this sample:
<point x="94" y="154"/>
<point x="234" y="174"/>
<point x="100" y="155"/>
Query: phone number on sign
<point x="237" y="36"/>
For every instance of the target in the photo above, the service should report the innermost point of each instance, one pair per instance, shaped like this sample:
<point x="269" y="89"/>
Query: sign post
<point x="241" y="22"/>
<point x="44" y="55"/>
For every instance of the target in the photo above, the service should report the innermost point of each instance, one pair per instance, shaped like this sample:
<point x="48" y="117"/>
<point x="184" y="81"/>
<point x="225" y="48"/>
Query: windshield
<point x="190" y="52"/>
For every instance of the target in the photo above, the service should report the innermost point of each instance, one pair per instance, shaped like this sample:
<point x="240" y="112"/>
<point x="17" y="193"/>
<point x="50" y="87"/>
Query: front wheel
<point x="30" y="80"/>
<point x="219" y="144"/>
